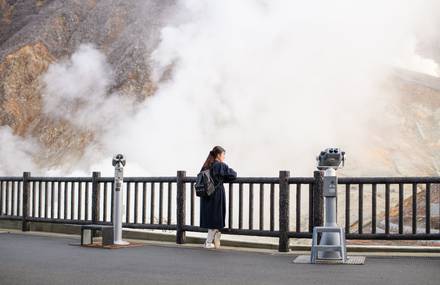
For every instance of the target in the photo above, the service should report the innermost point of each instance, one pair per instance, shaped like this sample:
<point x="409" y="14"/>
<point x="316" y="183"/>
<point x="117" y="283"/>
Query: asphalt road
<point x="30" y="259"/>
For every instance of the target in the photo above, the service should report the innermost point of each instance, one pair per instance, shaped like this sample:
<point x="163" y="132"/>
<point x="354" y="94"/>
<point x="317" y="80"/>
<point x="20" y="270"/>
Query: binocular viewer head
<point x="330" y="158"/>
<point x="118" y="159"/>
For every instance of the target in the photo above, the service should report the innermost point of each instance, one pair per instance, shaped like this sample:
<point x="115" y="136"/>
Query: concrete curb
<point x="47" y="228"/>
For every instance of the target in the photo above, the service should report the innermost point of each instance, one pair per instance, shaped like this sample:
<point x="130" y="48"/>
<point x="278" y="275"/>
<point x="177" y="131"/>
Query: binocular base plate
<point x="351" y="260"/>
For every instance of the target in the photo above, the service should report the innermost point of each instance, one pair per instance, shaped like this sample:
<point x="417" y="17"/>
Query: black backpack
<point x="204" y="185"/>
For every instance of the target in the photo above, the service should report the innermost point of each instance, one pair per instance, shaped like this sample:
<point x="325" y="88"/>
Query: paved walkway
<point x="33" y="259"/>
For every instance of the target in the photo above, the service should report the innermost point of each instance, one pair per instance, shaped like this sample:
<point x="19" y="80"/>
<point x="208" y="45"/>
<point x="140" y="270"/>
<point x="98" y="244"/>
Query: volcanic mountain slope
<point x="417" y="135"/>
<point x="34" y="34"/>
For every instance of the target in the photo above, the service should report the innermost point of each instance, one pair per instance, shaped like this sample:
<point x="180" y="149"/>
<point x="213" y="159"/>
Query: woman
<point x="213" y="208"/>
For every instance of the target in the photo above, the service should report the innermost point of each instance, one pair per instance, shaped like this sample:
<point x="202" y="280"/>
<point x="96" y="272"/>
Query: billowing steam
<point x="410" y="60"/>
<point x="273" y="82"/>
<point x="78" y="90"/>
<point x="16" y="153"/>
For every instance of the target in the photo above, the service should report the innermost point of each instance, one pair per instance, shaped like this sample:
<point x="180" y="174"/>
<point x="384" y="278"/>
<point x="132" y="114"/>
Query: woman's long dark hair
<point x="212" y="156"/>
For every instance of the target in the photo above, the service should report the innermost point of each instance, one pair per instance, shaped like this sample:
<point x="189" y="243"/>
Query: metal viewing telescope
<point x="119" y="163"/>
<point x="332" y="244"/>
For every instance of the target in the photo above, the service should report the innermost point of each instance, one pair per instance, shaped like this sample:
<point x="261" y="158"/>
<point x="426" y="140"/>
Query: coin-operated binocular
<point x="118" y="162"/>
<point x="330" y="160"/>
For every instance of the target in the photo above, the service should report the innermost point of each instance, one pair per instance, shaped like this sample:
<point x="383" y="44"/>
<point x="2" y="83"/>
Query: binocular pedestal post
<point x="330" y="238"/>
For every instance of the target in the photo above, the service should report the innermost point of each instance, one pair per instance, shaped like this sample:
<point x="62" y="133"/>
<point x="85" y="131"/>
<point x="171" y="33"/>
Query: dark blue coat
<point x="213" y="208"/>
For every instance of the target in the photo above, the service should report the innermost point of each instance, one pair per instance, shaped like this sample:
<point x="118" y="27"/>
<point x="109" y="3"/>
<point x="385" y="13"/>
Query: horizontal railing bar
<point x="264" y="233"/>
<point x="60" y="179"/>
<point x="189" y="179"/>
<point x="100" y="179"/>
<point x="105" y="179"/>
<point x="264" y="180"/>
<point x="64" y="221"/>
<point x="11" y="178"/>
<point x="300" y="180"/>
<point x="389" y="180"/>
<point x="9" y="217"/>
<point x="381" y="236"/>
<point x="140" y="179"/>
<point x="244" y="180"/>
<point x="150" y="226"/>
<point x="149" y="179"/>
<point x="300" y="235"/>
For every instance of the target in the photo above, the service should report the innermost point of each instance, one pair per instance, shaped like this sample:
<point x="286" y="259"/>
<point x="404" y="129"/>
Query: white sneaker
<point x="217" y="237"/>
<point x="208" y="245"/>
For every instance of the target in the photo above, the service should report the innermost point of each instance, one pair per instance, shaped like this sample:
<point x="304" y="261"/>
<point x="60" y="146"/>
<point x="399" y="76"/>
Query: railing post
<point x="25" y="202"/>
<point x="181" y="207"/>
<point x="283" y="242"/>
<point x="95" y="196"/>
<point x="318" y="200"/>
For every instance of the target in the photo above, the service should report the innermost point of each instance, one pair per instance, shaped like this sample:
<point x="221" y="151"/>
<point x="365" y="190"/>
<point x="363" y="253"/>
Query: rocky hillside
<point x="416" y="139"/>
<point x="35" y="33"/>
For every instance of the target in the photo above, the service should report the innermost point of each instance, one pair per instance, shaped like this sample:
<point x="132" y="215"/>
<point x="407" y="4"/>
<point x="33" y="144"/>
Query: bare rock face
<point x="417" y="105"/>
<point x="19" y="85"/>
<point x="21" y="105"/>
<point x="34" y="34"/>
<point x="126" y="31"/>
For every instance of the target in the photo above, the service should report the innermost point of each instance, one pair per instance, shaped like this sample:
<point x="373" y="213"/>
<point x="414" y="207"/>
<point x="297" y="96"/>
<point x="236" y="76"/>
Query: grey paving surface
<point x="27" y="259"/>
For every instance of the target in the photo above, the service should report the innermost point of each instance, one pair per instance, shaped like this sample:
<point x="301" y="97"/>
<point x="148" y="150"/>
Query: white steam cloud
<point x="77" y="90"/>
<point x="274" y="82"/>
<point x="409" y="59"/>
<point x="16" y="153"/>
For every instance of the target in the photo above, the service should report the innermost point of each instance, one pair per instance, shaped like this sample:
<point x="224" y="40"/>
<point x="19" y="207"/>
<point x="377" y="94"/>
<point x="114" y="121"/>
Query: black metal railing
<point x="284" y="207"/>
<point x="397" y="187"/>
